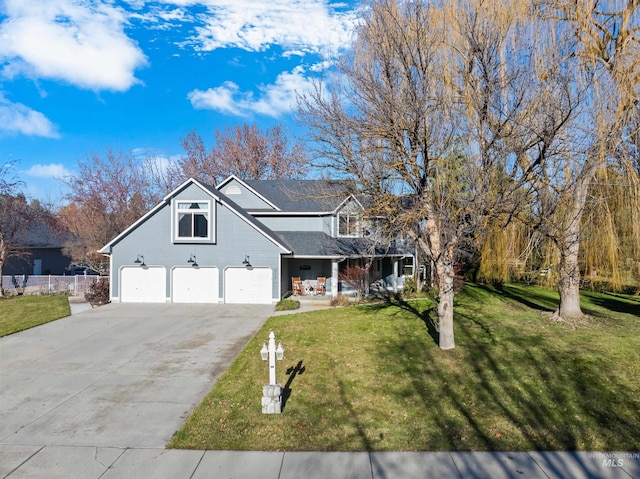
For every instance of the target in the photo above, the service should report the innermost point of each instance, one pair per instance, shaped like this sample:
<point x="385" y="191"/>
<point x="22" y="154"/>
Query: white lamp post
<point x="272" y="353"/>
<point x="272" y="392"/>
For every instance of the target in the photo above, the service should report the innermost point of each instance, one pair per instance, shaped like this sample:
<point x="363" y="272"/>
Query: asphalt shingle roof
<point x="317" y="243"/>
<point x="303" y="195"/>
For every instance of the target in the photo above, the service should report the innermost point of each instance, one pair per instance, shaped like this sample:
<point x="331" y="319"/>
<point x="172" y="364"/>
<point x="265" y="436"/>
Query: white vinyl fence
<point x="46" y="284"/>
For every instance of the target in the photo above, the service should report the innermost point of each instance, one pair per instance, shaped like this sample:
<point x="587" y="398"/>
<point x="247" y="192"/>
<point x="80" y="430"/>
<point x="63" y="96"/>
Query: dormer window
<point x="193" y="221"/>
<point x="348" y="225"/>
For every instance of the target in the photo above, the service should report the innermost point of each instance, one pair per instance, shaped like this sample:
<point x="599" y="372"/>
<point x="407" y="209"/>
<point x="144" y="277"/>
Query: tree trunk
<point x="569" y="273"/>
<point x="445" y="312"/>
<point x="445" y="272"/>
<point x="446" y="275"/>
<point x="569" y="243"/>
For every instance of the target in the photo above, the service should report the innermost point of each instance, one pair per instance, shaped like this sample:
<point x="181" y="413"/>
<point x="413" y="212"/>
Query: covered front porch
<point x="344" y="275"/>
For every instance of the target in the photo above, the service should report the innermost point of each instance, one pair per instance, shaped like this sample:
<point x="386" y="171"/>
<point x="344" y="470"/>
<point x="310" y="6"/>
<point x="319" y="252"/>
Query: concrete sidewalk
<point x="83" y="462"/>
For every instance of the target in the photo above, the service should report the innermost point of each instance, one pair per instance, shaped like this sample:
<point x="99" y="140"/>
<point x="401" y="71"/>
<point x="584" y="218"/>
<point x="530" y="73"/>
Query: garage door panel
<point x="195" y="285"/>
<point x="248" y="285"/>
<point x="143" y="285"/>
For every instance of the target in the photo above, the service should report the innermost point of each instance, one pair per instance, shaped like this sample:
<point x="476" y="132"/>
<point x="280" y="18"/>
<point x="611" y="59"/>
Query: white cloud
<point x="160" y="17"/>
<point x="52" y="170"/>
<point x="272" y="100"/>
<point x="78" y="41"/>
<point x="297" y="26"/>
<point x="223" y="99"/>
<point x="19" y="118"/>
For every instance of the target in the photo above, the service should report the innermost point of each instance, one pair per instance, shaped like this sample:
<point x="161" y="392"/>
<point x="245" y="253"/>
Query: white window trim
<point x="356" y="216"/>
<point x="210" y="238"/>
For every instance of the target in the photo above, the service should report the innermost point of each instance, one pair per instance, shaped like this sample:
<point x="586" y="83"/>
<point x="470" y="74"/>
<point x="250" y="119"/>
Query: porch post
<point x="334" y="278"/>
<point x="395" y="275"/>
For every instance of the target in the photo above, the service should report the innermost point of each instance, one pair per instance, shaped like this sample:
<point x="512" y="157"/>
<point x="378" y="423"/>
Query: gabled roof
<point x="298" y="196"/>
<point x="215" y="194"/>
<point x="303" y="195"/>
<point x="231" y="178"/>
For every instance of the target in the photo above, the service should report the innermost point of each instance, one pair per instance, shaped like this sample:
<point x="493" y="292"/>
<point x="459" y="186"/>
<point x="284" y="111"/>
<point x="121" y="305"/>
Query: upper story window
<point x="348" y="224"/>
<point x="193" y="221"/>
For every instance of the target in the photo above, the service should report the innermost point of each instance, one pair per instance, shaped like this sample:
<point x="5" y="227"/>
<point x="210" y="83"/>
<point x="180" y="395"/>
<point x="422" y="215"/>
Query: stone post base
<point x="271" y="399"/>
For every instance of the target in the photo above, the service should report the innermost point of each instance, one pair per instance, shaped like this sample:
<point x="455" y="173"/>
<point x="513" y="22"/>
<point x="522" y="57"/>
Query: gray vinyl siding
<point x="151" y="239"/>
<point x="328" y="223"/>
<point x="292" y="223"/>
<point x="234" y="239"/>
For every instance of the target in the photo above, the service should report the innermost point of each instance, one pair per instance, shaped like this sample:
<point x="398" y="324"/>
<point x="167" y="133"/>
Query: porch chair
<point x="320" y="287"/>
<point x="296" y="286"/>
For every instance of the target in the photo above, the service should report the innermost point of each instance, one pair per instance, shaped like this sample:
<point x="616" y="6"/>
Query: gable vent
<point x="233" y="190"/>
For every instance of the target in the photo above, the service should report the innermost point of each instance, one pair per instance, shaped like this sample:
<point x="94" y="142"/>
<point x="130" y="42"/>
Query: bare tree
<point x="8" y="181"/>
<point x="106" y="196"/>
<point x="19" y="219"/>
<point x="438" y="105"/>
<point x="14" y="221"/>
<point x="244" y="151"/>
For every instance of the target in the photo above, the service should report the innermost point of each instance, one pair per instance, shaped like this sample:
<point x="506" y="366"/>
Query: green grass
<point x="373" y="378"/>
<point x="18" y="313"/>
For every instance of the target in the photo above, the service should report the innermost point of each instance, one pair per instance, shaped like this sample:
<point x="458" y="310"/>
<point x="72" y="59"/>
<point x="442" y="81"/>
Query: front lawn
<point x="18" y="313"/>
<point x="373" y="378"/>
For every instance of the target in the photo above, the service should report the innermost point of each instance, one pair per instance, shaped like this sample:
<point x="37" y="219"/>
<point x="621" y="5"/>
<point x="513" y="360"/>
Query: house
<point x="41" y="253"/>
<point x="244" y="240"/>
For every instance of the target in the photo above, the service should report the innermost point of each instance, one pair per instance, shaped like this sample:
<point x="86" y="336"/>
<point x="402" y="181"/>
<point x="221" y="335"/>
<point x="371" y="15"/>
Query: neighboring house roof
<point x="43" y="236"/>
<point x="317" y="243"/>
<point x="297" y="196"/>
<point x="216" y="194"/>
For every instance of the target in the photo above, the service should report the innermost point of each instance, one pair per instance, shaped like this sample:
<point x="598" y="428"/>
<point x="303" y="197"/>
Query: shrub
<point x="358" y="278"/>
<point x="410" y="286"/>
<point x="341" y="300"/>
<point x="287" y="304"/>
<point x="98" y="293"/>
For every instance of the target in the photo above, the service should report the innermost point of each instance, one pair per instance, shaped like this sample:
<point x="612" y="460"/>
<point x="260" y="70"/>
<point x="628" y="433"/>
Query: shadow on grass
<point x="612" y="302"/>
<point x="354" y="418"/>
<point x="292" y="372"/>
<point x="532" y="298"/>
<point x="428" y="316"/>
<point x="508" y="386"/>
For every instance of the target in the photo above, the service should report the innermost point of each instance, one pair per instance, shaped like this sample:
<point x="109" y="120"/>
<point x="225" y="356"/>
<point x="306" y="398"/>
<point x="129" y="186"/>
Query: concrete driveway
<point x="122" y="375"/>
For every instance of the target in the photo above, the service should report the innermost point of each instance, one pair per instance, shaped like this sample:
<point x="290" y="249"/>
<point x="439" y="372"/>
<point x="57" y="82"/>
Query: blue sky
<point x="80" y="76"/>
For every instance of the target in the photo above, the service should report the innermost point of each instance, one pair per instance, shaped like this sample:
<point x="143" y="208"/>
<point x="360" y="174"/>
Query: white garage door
<point x="248" y="285"/>
<point x="194" y="285"/>
<point x="143" y="285"/>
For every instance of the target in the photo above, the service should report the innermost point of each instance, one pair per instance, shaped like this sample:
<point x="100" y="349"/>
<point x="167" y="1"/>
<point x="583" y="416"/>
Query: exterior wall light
<point x="140" y="260"/>
<point x="192" y="260"/>
<point x="246" y="261"/>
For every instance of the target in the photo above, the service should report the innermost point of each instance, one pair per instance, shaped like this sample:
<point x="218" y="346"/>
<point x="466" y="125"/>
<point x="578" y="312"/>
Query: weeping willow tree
<point x="508" y="252"/>
<point x="604" y="53"/>
<point x="611" y="222"/>
<point x="609" y="242"/>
